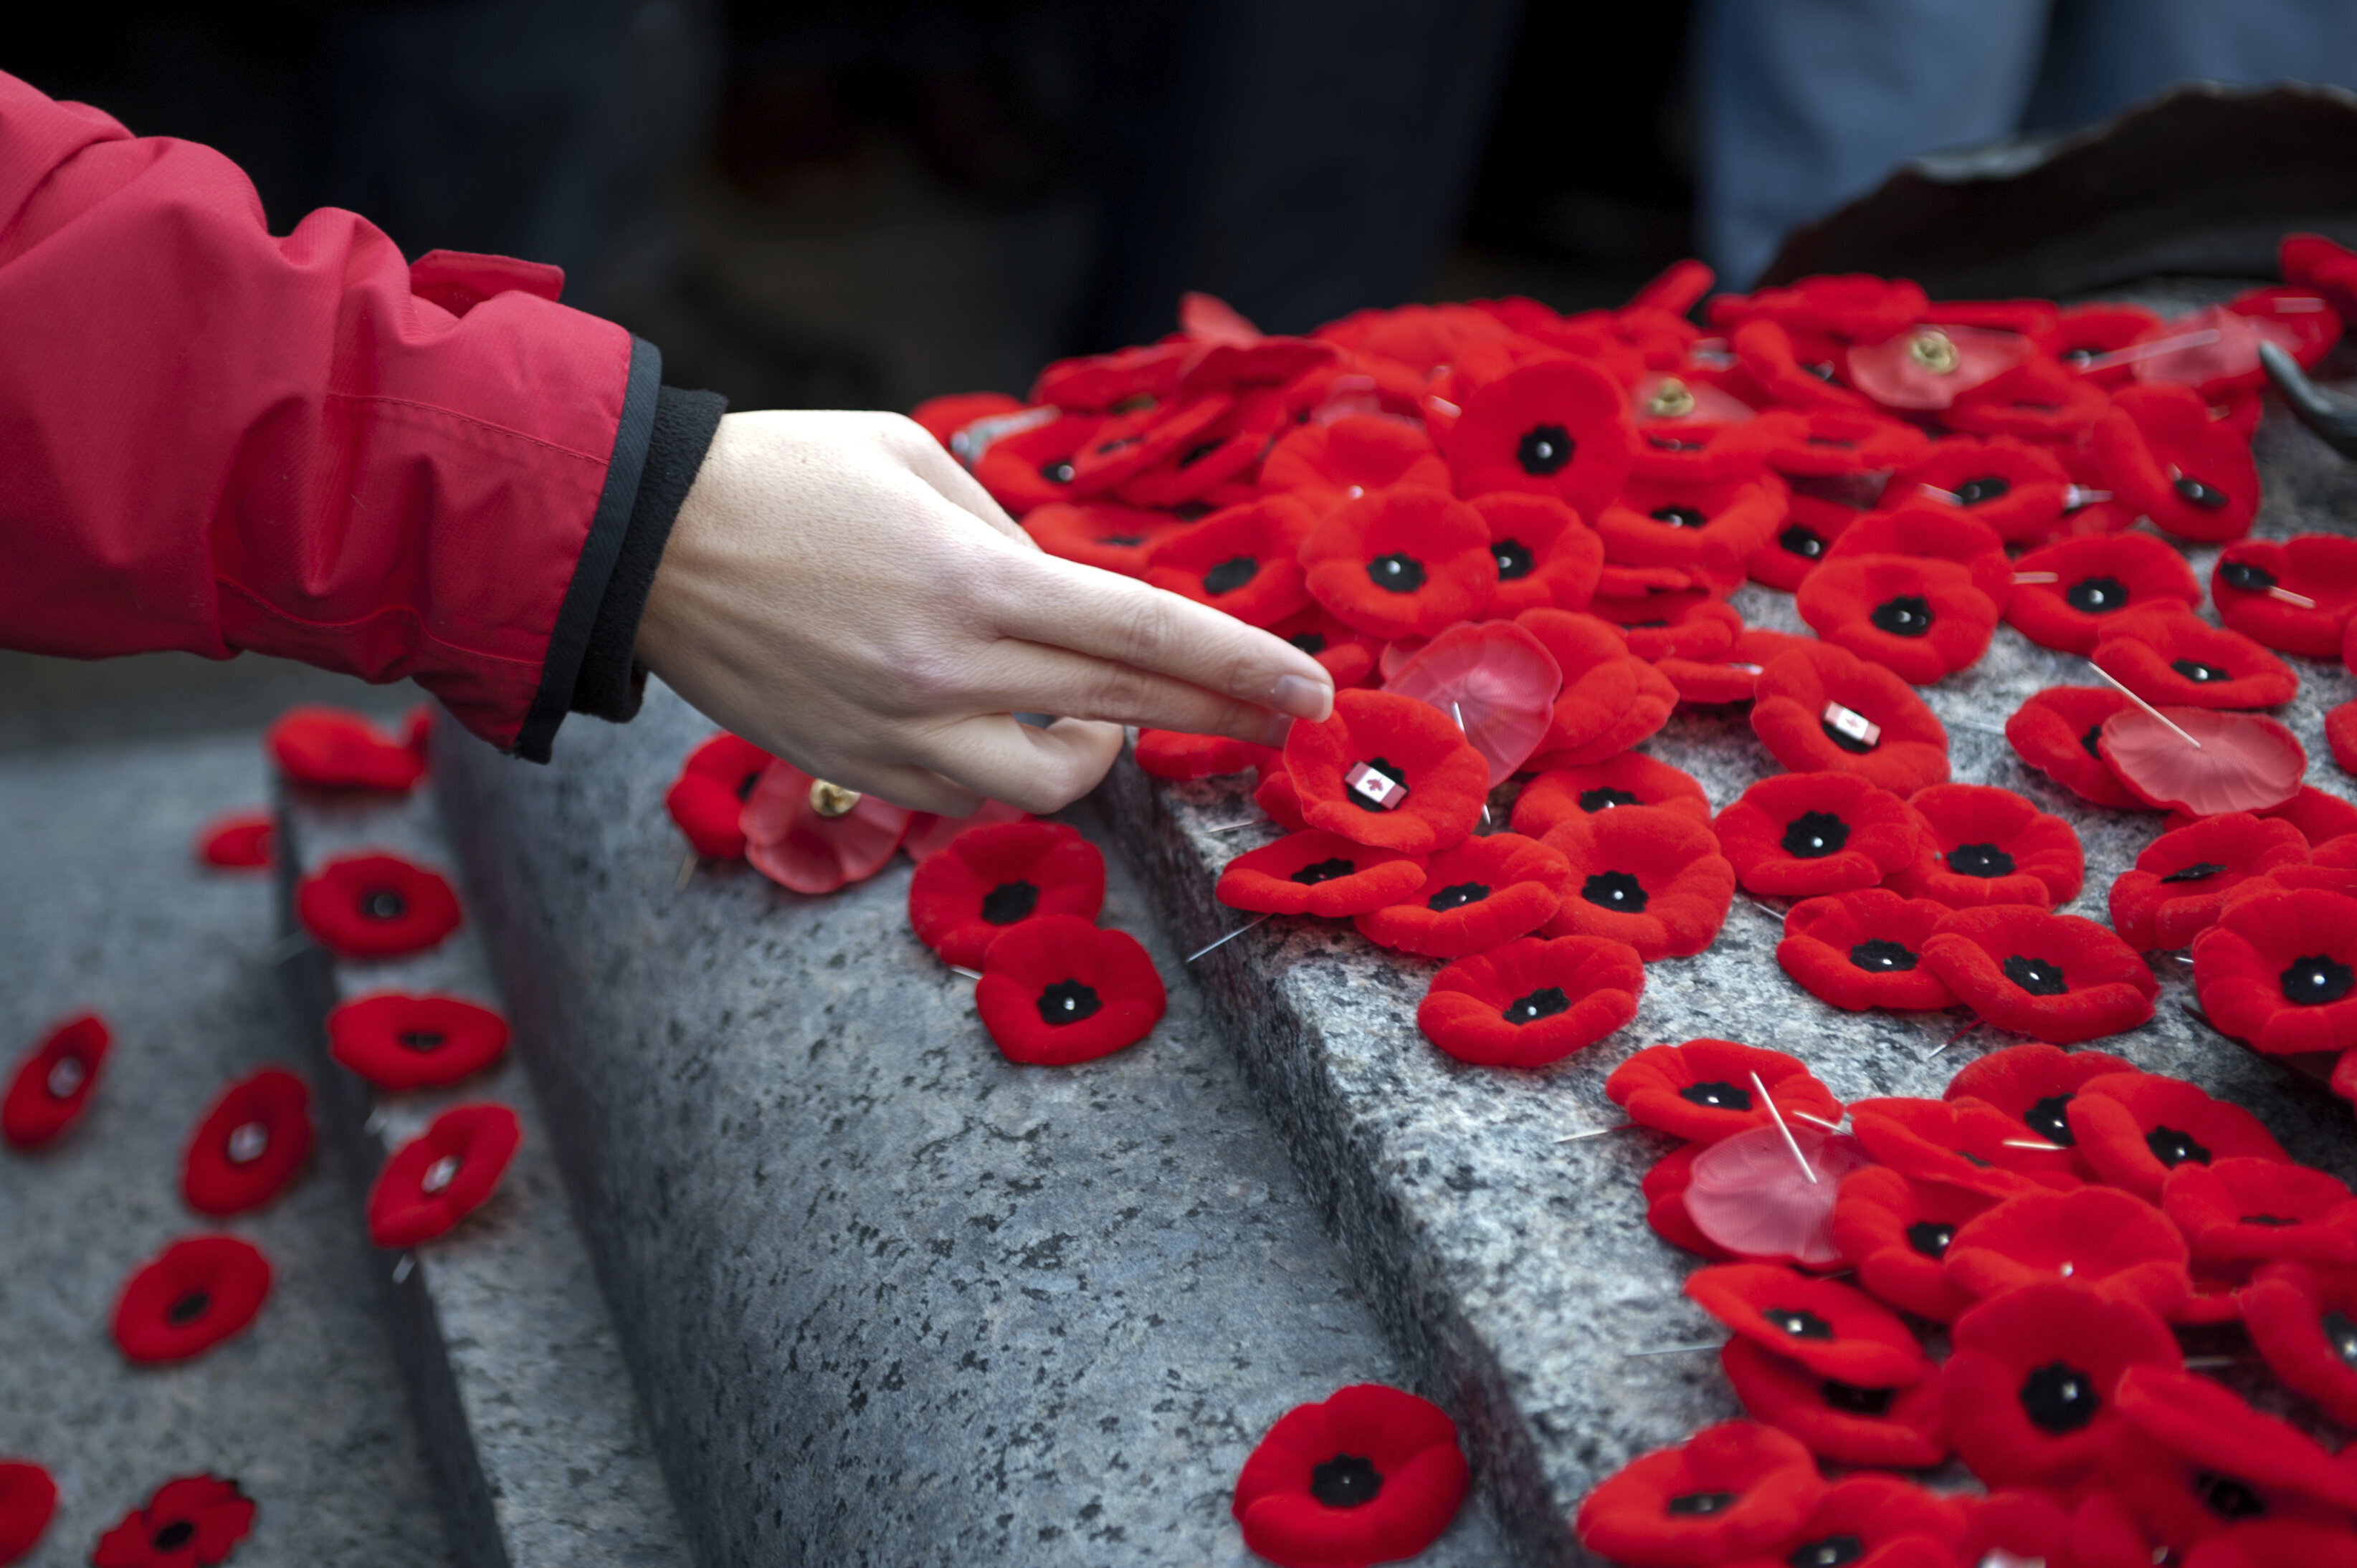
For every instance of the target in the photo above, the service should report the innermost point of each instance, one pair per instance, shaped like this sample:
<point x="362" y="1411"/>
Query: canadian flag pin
<point x="1375" y="785"/>
<point x="1855" y="725"/>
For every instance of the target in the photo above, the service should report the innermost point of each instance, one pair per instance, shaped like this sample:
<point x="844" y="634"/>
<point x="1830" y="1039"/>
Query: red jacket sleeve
<point x="212" y="439"/>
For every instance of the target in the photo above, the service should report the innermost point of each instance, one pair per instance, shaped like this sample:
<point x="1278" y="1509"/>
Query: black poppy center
<point x="384" y="904"/>
<point x="745" y="785"/>
<point x="1057" y="471"/>
<point x="1543" y="449"/>
<point x="2201" y="674"/>
<point x="2036" y="975"/>
<point x="2173" y="1148"/>
<point x="1833" y="1551"/>
<point x="1881" y="955"/>
<point x="1068" y="1002"/>
<point x="1125" y="541"/>
<point x="2059" y="1398"/>
<point x="1396" y="573"/>
<point x="1798" y="1322"/>
<point x="1804" y="541"/>
<point x="1345" y="1481"/>
<point x="1979" y="860"/>
<point x="1544" y="1003"/>
<point x="2049" y="1119"/>
<point x="1310" y="642"/>
<point x="1230" y="575"/>
<point x="2228" y="1498"/>
<point x="1988" y="487"/>
<point x="2244" y="574"/>
<point x="1843" y="738"/>
<point x="2199" y="871"/>
<point x="1515" y="560"/>
<point x="1699" y="1505"/>
<point x="187" y="1309"/>
<point x="1930" y="1238"/>
<point x="1009" y="902"/>
<point x="1679" y="517"/>
<point x="1389" y="769"/>
<point x="2096" y="595"/>
<point x="1456" y="897"/>
<point x="2087" y="742"/>
<point x="1716" y="1096"/>
<point x="2342" y="1335"/>
<point x="1197" y="451"/>
<point x="1909" y="615"/>
<point x="2203" y="496"/>
<point x="1852" y="1399"/>
<point x="174" y="1536"/>
<point x="1318" y="871"/>
<point x="422" y="1040"/>
<point x="1813" y="835"/>
<point x="1614" y="890"/>
<point x="2313" y="981"/>
<point x="1603" y="797"/>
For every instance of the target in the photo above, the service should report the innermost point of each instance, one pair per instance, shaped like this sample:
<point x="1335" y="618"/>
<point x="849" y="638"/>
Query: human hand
<point x="838" y="591"/>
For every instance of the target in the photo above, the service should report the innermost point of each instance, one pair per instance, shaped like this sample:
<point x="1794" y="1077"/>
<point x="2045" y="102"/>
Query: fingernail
<point x="1302" y="697"/>
<point x="1274" y="731"/>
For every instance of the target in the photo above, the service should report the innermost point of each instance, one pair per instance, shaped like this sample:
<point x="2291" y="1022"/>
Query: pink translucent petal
<point x="928" y="834"/>
<point x="1749" y="1195"/>
<point x="2233" y="352"/>
<point x="2246" y="762"/>
<point x="1711" y="407"/>
<point x="791" y="844"/>
<point x="1890" y="374"/>
<point x="1214" y="320"/>
<point x="1495" y="679"/>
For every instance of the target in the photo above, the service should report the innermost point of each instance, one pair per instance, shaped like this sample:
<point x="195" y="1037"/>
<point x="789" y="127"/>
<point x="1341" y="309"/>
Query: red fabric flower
<point x="943" y="417"/>
<point x="2239" y="1210"/>
<point x="249" y="1145"/>
<point x="1547" y="558"/>
<point x="1824" y="707"/>
<point x="1406" y="562"/>
<point x="2180" y="881"/>
<point x="1277" y="796"/>
<point x="1986" y="845"/>
<point x="1317" y="873"/>
<point x="1369" y="1474"/>
<point x="2014" y="487"/>
<point x="2037" y="400"/>
<point x="1631" y="779"/>
<point x="1348" y="656"/>
<point x="2135" y="1128"/>
<point x="1649" y="877"/>
<point x="1664" y="1186"/>
<point x="1793" y="835"/>
<point x="1840" y="1422"/>
<point x="1925" y="619"/>
<point x="1245" y="560"/>
<point x="1173" y="754"/>
<point x="2212" y="1429"/>
<point x="1712" y="442"/>
<point x="1116" y="538"/>
<point x="1326" y="465"/>
<point x="802" y="834"/>
<point x="372" y="905"/>
<point x="2264" y="1544"/>
<point x="1475" y="894"/>
<point x="1961" y="1143"/>
<point x="399" y="1042"/>
<point x="1732" y="676"/>
<point x="2168" y="656"/>
<point x="2303" y="1319"/>
<point x="2168" y="460"/>
<point x="1811" y="527"/>
<point x="2029" y="1391"/>
<point x="2082" y="332"/>
<point x="1709" y="525"/>
<point x="1684" y="625"/>
<point x="1702" y="1090"/>
<point x="2095" y="579"/>
<point x="1834" y="1329"/>
<point x="1850" y="307"/>
<point x="190" y="1297"/>
<point x="1730" y="1490"/>
<point x="1056" y="990"/>
<point x="240" y="841"/>
<point x="2028" y="1524"/>
<point x="2056" y="978"/>
<point x="2056" y="730"/>
<point x="1419" y="787"/>
<point x="2115" y="1243"/>
<point x="1875" y="1521"/>
<point x="1830" y="443"/>
<point x="1865" y="949"/>
<point x="1930" y="532"/>
<point x="708" y="797"/>
<point x="442" y="1176"/>
<point x="52" y="1084"/>
<point x="194" y="1521"/>
<point x="995" y="876"/>
<point x="2033" y="1085"/>
<point x="2257" y="585"/>
<point x="28" y="1499"/>
<point x="2276" y="971"/>
<point x="339" y="749"/>
<point x="1895" y="1231"/>
<point x="1610" y="699"/>
<point x="1553" y="426"/>
<point x="1531" y="1002"/>
<point x="2321" y="818"/>
<point x="1795" y="373"/>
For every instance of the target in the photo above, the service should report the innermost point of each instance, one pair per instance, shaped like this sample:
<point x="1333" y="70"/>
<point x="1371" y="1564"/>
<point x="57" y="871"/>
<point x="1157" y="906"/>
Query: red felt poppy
<point x="2083" y="332"/>
<point x="1277" y="796"/>
<point x="28" y="1499"/>
<point x="1895" y="1232"/>
<point x="1097" y="381"/>
<point x="1317" y="873"/>
<point x="194" y="1521"/>
<point x="1986" y="845"/>
<point x="2015" y="488"/>
<point x="1369" y="1474"/>
<point x="1707" y="525"/>
<point x="1401" y="562"/>
<point x="1792" y="835"/>
<point x="1475" y="894"/>
<point x="1683" y="625"/>
<point x="442" y="1176"/>
<point x="1848" y="307"/>
<point x="53" y="1082"/>
<point x="1793" y="370"/>
<point x="2303" y="1319"/>
<point x="240" y="841"/>
<point x="2211" y="1426"/>
<point x="1834" y="1329"/>
<point x="1531" y="1001"/>
<point x="1116" y="538"/>
<point x="2037" y="400"/>
<point x="339" y="749"/>
<point x="2276" y="972"/>
<point x="2135" y="1128"/>
<point x="814" y="837"/>
<point x="249" y="1145"/>
<point x="1925" y="619"/>
<point x="1702" y="1090"/>
<point x="190" y="1297"/>
<point x="2321" y="818"/>
<point x="943" y="417"/>
<point x="2180" y="881"/>
<point x="1960" y="1142"/>
<point x="1056" y="990"/>
<point x="2028" y="1391"/>
<point x="1929" y="531"/>
<point x="2115" y="1243"/>
<point x="929" y="835"/>
<point x="996" y="875"/>
<point x="372" y="905"/>
<point x="1224" y="455"/>
<point x="2057" y="731"/>
<point x="1547" y="558"/>
<point x="1610" y="699"/>
<point x="1631" y="779"/>
<point x="2258" y="586"/>
<point x="1732" y="676"/>
<point x="1552" y="426"/>
<point x="2168" y="655"/>
<point x="1665" y="1184"/>
<point x="1824" y="707"/>
<point x="1842" y="1422"/>
<point x="1385" y="770"/>
<point x="2164" y="456"/>
<point x="1719" y="438"/>
<point x="1812" y="525"/>
<point x="1875" y="1521"/>
<point x="1245" y="560"/>
<point x="2239" y="1210"/>
<point x="708" y="797"/>
<point x="2068" y="592"/>
<point x="2056" y="978"/>
<point x="398" y="1042"/>
<point x="2032" y="1085"/>
<point x="2030" y="1525"/>
<point x="1730" y="1490"/>
<point x="1864" y="949"/>
<point x="1649" y="877"/>
<point x="1348" y="656"/>
<point x="1856" y="446"/>
<point x="2266" y="1543"/>
<point x="1080" y="457"/>
<point x="1173" y="754"/>
<point x="1326" y="465"/>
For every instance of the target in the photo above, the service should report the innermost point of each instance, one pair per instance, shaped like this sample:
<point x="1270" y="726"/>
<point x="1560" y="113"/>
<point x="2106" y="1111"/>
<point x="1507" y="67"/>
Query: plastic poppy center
<point x="1988" y="487"/>
<point x="1802" y="541"/>
<point x="1833" y="1551"/>
<point x="422" y="1040"/>
<point x="1699" y="1505"/>
<point x="173" y="1536"/>
<point x="2245" y="576"/>
<point x="1457" y="897"/>
<point x="246" y="1143"/>
<point x="1679" y="517"/>
<point x="1009" y="902"/>
<point x="1515" y="560"/>
<point x="1881" y="955"/>
<point x="2035" y="975"/>
<point x="1396" y="573"/>
<point x="1930" y="1238"/>
<point x="1230" y="575"/>
<point x="1614" y="890"/>
<point x="439" y="1174"/>
<point x="1856" y="1401"/>
<point x="2059" y="1398"/>
<point x="2313" y="981"/>
<point x="2096" y="595"/>
<point x="1377" y="784"/>
<point x="2201" y="674"/>
<point x="2228" y="1498"/>
<point x="1345" y="1481"/>
<point x="2342" y="1335"/>
<point x="2087" y="742"/>
<point x="384" y="904"/>
<point x="2199" y="871"/>
<point x="187" y="1309"/>
<point x="1798" y="1322"/>
<point x="66" y="1075"/>
<point x="1543" y="449"/>
<point x="2049" y="1119"/>
<point x="1068" y="1002"/>
<point x="1544" y="1003"/>
<point x="2173" y="1148"/>
<point x="1603" y="797"/>
<point x="2197" y="493"/>
<point x="1909" y="615"/>
<point x="1318" y="871"/>
<point x="1979" y="860"/>
<point x="1716" y="1096"/>
<point x="1813" y="835"/>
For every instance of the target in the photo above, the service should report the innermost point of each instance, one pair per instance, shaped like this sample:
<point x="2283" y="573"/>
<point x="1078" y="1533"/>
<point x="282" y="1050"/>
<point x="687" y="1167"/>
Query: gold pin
<point x="1671" y="400"/>
<point x="1934" y="350"/>
<point x="831" y="799"/>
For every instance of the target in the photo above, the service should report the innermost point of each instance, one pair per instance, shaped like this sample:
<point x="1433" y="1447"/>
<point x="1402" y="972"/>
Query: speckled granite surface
<point x="1518" y="1269"/>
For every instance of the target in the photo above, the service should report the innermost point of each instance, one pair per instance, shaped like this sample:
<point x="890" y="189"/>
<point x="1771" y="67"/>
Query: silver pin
<point x="288" y="947"/>
<point x="1239" y="827"/>
<point x="1818" y="1121"/>
<point x="1597" y="1133"/>
<point x="1232" y="936"/>
<point x="1968" y="724"/>
<point x="969" y="973"/>
<point x="1457" y="708"/>
<point x="1952" y="1039"/>
<point x="1773" y="913"/>
<point x="686" y="871"/>
<point x="401" y="1269"/>
<point x="375" y="1123"/>
<point x="2135" y="351"/>
<point x="1790" y="1141"/>
<point x="2114" y="682"/>
<point x="2034" y="1144"/>
<point x="1675" y="1349"/>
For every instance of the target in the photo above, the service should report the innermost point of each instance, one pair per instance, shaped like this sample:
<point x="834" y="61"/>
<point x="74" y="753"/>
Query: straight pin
<point x="1952" y="1039"/>
<point x="1597" y="1133"/>
<point x="289" y="946"/>
<point x="2032" y="1144"/>
<point x="2212" y="1363"/>
<point x="1818" y="1121"/>
<point x="1457" y="709"/>
<point x="2135" y="351"/>
<point x="2114" y="682"/>
<point x="686" y="871"/>
<point x="969" y="973"/>
<point x="1675" y="1349"/>
<point x="1239" y="827"/>
<point x="1790" y="1141"/>
<point x="1223" y="941"/>
<point x="1972" y="725"/>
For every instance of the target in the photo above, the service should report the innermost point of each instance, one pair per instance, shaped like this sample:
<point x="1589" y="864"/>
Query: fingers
<point x="1029" y="677"/>
<point x="1038" y="770"/>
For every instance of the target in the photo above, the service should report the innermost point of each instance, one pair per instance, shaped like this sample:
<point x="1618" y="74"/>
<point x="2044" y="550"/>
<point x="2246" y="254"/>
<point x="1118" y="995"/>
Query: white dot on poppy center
<point x="66" y="1075"/>
<point x="246" y="1143"/>
<point x="2067" y="1270"/>
<point x="439" y="1174"/>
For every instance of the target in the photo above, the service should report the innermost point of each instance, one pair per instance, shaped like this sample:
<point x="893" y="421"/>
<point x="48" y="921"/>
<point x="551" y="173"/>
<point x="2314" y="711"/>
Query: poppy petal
<point x="398" y="1042"/>
<point x="53" y="1082"/>
<point x="1056" y="990"/>
<point x="372" y="905"/>
<point x="249" y="1145"/>
<point x="1531" y="1001"/>
<point x="994" y="878"/>
<point x="1495" y="681"/>
<point x="443" y="1175"/>
<point x="190" y="1297"/>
